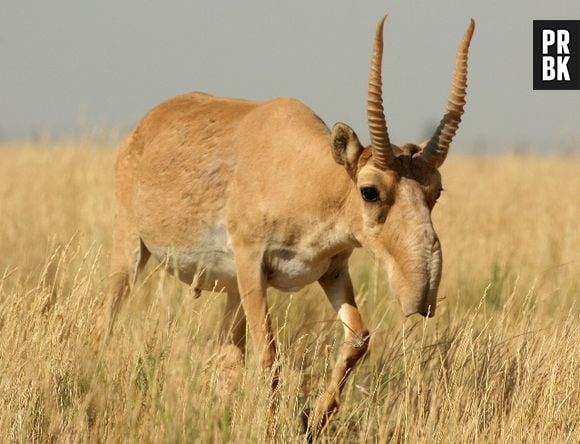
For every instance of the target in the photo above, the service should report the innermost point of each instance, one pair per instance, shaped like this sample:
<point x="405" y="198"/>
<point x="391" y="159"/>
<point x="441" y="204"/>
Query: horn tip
<point x="381" y="22"/>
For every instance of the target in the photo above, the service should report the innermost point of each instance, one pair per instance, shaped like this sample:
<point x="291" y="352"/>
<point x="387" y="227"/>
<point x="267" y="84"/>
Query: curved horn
<point x="437" y="147"/>
<point x="381" y="146"/>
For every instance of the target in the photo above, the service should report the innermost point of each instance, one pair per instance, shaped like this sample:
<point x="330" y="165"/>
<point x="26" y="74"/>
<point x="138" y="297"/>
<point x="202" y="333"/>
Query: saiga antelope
<point x="241" y="196"/>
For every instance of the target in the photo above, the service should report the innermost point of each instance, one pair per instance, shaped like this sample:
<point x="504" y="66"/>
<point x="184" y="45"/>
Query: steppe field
<point x="500" y="362"/>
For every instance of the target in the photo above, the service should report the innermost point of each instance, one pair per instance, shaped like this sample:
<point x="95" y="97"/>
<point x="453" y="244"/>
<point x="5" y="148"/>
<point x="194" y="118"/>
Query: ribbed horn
<point x="437" y="147"/>
<point x="381" y="146"/>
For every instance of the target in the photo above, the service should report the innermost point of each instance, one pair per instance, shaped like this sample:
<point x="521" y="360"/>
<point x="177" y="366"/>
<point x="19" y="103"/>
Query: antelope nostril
<point x="435" y="245"/>
<point x="427" y="311"/>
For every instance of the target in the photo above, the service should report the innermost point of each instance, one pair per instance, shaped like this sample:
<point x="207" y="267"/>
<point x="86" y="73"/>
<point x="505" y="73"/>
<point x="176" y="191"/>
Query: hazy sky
<point x="75" y="66"/>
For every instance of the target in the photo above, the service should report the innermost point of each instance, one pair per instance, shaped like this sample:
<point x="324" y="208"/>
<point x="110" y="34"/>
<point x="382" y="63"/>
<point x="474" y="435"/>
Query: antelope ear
<point x="346" y="147"/>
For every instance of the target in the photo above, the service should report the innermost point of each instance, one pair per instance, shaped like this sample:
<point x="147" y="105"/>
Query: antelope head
<point x="396" y="187"/>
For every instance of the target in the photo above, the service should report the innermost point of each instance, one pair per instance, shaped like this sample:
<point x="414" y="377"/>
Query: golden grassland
<point x="499" y="363"/>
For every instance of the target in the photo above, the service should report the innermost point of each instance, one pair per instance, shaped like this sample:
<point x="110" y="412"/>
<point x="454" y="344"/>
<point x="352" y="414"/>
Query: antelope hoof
<point x="326" y="406"/>
<point x="232" y="363"/>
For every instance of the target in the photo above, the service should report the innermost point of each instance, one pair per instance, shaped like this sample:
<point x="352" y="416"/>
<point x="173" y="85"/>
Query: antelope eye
<point x="369" y="194"/>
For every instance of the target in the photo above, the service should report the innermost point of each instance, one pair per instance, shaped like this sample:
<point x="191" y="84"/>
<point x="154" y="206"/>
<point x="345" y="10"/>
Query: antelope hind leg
<point x="128" y="257"/>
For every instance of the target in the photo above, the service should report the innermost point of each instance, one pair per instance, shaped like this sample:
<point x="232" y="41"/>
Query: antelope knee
<point x="356" y="347"/>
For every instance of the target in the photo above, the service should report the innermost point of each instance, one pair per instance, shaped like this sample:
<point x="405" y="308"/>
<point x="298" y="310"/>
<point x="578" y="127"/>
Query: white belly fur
<point x="291" y="270"/>
<point x="209" y="263"/>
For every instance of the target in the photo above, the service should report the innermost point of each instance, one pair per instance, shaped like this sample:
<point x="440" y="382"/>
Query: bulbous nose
<point x="424" y="307"/>
<point x="421" y="295"/>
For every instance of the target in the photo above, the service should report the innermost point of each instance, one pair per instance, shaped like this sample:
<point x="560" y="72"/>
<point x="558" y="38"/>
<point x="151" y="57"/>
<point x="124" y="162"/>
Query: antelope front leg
<point x="252" y="290"/>
<point x="338" y="288"/>
<point x="233" y="342"/>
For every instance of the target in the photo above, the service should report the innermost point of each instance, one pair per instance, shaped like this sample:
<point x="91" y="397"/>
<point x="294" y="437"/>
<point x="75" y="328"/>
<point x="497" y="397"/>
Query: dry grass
<point x="499" y="363"/>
